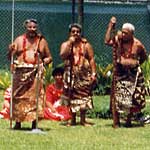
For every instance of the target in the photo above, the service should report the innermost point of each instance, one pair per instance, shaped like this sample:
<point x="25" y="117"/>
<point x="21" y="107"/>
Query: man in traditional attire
<point x="80" y="73"/>
<point x="31" y="53"/>
<point x="128" y="91"/>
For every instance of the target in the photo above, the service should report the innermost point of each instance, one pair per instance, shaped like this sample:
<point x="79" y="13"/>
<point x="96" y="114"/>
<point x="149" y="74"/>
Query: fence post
<point x="81" y="13"/>
<point x="73" y="11"/>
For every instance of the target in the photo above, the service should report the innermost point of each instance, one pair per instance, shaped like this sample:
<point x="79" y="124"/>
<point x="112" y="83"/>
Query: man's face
<point x="75" y="32"/>
<point x="31" y="28"/>
<point x="126" y="35"/>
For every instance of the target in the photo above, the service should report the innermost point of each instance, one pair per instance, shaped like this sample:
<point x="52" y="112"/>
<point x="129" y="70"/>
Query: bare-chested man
<point x="128" y="93"/>
<point x="31" y="53"/>
<point x="80" y="73"/>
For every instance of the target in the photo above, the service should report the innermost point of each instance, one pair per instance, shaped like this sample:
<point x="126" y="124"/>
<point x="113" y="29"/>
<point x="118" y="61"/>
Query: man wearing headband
<point x="80" y="73"/>
<point x="128" y="91"/>
<point x="32" y="53"/>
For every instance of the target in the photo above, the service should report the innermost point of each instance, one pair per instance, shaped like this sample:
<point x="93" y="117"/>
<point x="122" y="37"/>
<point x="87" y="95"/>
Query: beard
<point x="126" y="40"/>
<point x="77" y="38"/>
<point x="32" y="34"/>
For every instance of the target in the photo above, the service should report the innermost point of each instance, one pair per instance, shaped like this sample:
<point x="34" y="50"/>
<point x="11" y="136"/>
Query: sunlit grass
<point x="56" y="136"/>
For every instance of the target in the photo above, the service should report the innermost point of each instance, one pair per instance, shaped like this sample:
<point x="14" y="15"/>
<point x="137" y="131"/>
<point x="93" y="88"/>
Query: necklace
<point x="79" y="54"/>
<point x="126" y="53"/>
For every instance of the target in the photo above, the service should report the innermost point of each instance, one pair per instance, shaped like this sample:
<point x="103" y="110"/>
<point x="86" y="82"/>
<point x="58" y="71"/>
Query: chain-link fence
<point x="119" y="1"/>
<point x="54" y="18"/>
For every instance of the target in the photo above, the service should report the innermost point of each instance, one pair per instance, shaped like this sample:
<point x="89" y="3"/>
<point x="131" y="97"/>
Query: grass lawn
<point x="56" y="136"/>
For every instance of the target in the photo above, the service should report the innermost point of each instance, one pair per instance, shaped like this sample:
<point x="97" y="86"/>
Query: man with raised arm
<point x="128" y="91"/>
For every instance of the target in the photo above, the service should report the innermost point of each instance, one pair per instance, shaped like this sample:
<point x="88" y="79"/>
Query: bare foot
<point x="86" y="124"/>
<point x="116" y="126"/>
<point x="71" y="124"/>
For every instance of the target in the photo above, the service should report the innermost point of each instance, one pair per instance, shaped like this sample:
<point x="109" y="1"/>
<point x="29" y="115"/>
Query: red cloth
<point x="5" y="113"/>
<point x="53" y="96"/>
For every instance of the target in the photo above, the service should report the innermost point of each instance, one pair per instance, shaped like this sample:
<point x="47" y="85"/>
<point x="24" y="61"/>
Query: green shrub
<point x="101" y="107"/>
<point x="48" y="74"/>
<point x="104" y="78"/>
<point x="5" y="79"/>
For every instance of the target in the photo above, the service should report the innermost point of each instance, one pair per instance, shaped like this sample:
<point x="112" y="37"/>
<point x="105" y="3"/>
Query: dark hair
<point x="75" y="25"/>
<point x="58" y="70"/>
<point x="29" y="20"/>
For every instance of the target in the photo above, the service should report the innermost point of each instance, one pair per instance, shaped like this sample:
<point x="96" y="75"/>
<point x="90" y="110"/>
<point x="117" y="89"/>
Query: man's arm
<point x="91" y="59"/>
<point x="129" y="61"/>
<point x="65" y="50"/>
<point x="47" y="53"/>
<point x="13" y="47"/>
<point x="110" y="28"/>
<point x="142" y="53"/>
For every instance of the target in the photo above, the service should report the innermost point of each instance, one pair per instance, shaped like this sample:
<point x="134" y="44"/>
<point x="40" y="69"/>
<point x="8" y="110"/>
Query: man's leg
<point x="115" y="114"/>
<point x="73" y="118"/>
<point x="83" y="118"/>
<point x="17" y="125"/>
<point x="34" y="124"/>
<point x="116" y="119"/>
<point x="128" y="121"/>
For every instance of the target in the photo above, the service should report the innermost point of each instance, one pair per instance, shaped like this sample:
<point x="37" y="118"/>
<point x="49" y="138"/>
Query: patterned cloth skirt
<point x="130" y="92"/>
<point x="27" y="89"/>
<point x="80" y="93"/>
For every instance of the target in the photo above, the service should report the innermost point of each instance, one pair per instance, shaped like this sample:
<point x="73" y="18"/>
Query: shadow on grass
<point x="123" y="125"/>
<point x="30" y="129"/>
<point x="68" y="124"/>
